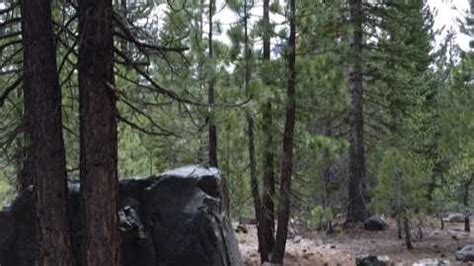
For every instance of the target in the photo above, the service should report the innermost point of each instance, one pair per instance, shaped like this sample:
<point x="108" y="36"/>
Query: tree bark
<point x="399" y="226"/>
<point x="406" y="225"/>
<point x="467" y="223"/>
<point x="268" y="190"/>
<point x="287" y="156"/>
<point x="356" y="208"/>
<point x="441" y="221"/>
<point x="398" y="179"/>
<point x="262" y="247"/>
<point x="212" y="121"/>
<point x="46" y="162"/>
<point x="98" y="135"/>
<point x="465" y="201"/>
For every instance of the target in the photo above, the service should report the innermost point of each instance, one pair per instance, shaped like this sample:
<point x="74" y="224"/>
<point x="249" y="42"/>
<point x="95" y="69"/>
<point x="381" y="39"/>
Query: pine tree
<point x="98" y="134"/>
<point x="356" y="208"/>
<point x="288" y="143"/>
<point x="211" y="94"/>
<point x="46" y="162"/>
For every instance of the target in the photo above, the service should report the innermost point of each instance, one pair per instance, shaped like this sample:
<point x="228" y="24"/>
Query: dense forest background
<point x="382" y="114"/>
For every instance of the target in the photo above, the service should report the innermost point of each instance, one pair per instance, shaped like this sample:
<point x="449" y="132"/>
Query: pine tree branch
<point x="10" y="89"/>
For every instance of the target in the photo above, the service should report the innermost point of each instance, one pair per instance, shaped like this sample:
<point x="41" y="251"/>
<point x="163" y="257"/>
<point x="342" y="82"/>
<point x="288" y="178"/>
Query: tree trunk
<point x="212" y="119"/>
<point x="262" y="247"/>
<point x="268" y="191"/>
<point x="467" y="223"/>
<point x="46" y="162"/>
<point x="356" y="207"/>
<point x="399" y="226"/>
<point x="98" y="134"/>
<point x="406" y="225"/>
<point x="441" y="221"/>
<point x="465" y="201"/>
<point x="287" y="156"/>
<point x="398" y="176"/>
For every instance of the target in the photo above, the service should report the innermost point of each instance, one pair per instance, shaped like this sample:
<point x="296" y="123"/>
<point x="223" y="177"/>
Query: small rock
<point x="455" y="218"/>
<point x="333" y="246"/>
<point x="431" y="262"/>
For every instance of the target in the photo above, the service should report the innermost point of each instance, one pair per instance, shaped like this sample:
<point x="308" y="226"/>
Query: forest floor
<point x="342" y="248"/>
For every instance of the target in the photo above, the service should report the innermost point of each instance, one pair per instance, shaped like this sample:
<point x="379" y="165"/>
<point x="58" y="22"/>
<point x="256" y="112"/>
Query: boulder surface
<point x="177" y="218"/>
<point x="466" y="254"/>
<point x="372" y="260"/>
<point x="375" y="223"/>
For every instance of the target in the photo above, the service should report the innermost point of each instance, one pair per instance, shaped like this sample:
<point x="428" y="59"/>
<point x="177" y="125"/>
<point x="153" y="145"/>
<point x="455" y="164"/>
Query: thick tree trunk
<point x="287" y="156"/>
<point x="212" y="119"/>
<point x="406" y="225"/>
<point x="356" y="207"/>
<point x="98" y="130"/>
<point x="268" y="191"/>
<point x="46" y="162"/>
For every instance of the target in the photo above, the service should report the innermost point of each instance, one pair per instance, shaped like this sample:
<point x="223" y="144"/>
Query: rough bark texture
<point x="46" y="162"/>
<point x="356" y="208"/>
<point x="98" y="140"/>
<point x="399" y="227"/>
<point x="254" y="184"/>
<point x="268" y="190"/>
<point x="465" y="201"/>
<point x="212" y="121"/>
<point x="441" y="221"/>
<point x="179" y="218"/>
<point x="287" y="156"/>
<point x="406" y="226"/>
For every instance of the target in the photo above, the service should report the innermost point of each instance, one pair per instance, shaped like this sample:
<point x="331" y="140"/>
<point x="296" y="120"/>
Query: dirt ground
<point x="342" y="248"/>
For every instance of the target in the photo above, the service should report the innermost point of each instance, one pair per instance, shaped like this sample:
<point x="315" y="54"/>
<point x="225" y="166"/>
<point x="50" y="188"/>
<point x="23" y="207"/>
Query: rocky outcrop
<point x="177" y="218"/>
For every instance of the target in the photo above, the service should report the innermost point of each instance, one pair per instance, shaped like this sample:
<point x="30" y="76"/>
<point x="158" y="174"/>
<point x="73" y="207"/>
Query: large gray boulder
<point x="466" y="254"/>
<point x="371" y="260"/>
<point x="455" y="218"/>
<point x="375" y="223"/>
<point x="177" y="218"/>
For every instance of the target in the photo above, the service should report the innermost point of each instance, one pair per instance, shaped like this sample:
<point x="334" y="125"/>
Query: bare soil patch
<point x="342" y="248"/>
